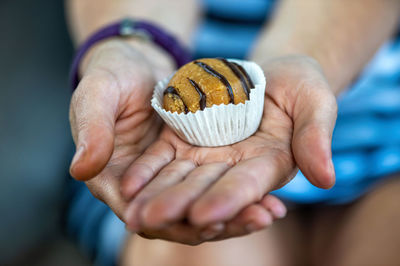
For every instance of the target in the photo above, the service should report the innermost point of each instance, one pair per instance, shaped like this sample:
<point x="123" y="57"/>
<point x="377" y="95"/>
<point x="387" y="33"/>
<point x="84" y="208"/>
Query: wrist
<point x="107" y="37"/>
<point x="320" y="61"/>
<point x="157" y="59"/>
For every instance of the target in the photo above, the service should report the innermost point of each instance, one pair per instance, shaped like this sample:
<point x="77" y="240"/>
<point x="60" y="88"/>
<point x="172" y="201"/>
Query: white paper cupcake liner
<point x="217" y="125"/>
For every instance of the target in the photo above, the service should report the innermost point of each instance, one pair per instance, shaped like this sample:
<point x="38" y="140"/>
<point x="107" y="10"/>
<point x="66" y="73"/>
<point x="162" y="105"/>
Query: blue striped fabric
<point x="239" y="10"/>
<point x="366" y="141"/>
<point x="230" y="27"/>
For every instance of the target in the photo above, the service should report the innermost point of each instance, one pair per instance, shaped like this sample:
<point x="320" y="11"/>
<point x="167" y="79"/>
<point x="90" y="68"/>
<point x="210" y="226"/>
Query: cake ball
<point x="206" y="82"/>
<point x="212" y="102"/>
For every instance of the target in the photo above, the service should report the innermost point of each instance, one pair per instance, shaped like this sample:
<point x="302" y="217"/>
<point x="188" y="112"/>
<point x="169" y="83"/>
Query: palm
<point x="112" y="124"/>
<point x="210" y="185"/>
<point x="267" y="150"/>
<point x="272" y="142"/>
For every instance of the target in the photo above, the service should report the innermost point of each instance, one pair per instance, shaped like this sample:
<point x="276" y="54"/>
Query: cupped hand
<point x="111" y="119"/>
<point x="112" y="123"/>
<point x="174" y="183"/>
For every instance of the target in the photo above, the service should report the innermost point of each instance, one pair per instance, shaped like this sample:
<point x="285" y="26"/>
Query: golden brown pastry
<point x="205" y="82"/>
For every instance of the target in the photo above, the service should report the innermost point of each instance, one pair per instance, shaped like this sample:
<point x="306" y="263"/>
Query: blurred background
<point x="36" y="146"/>
<point x="35" y="142"/>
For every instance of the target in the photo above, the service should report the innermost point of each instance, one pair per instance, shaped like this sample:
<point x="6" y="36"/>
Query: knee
<point x="385" y="197"/>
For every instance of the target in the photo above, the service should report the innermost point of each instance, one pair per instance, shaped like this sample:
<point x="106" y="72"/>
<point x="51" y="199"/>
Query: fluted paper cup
<point x="217" y="125"/>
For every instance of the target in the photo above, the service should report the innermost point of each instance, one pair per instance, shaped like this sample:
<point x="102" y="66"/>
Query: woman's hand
<point x="209" y="186"/>
<point x="180" y="174"/>
<point x="112" y="123"/>
<point x="111" y="119"/>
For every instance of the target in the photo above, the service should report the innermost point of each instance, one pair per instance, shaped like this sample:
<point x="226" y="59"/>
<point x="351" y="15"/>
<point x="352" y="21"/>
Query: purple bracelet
<point x="129" y="27"/>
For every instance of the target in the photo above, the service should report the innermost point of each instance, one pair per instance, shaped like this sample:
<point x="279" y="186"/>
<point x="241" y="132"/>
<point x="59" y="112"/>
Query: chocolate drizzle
<point x="202" y="101"/>
<point x="172" y="90"/>
<point x="238" y="74"/>
<point x="251" y="84"/>
<point x="212" y="71"/>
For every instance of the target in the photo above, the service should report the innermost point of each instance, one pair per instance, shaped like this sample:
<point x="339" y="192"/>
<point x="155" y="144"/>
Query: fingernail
<point x="212" y="231"/>
<point x="251" y="227"/>
<point x="217" y="227"/>
<point x="207" y="235"/>
<point x="279" y="211"/>
<point x="78" y="155"/>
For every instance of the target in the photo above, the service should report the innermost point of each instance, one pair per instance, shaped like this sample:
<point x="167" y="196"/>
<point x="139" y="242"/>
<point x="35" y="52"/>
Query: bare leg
<point x="364" y="233"/>
<point x="276" y="246"/>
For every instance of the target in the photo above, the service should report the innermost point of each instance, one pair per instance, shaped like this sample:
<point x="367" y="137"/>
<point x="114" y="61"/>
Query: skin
<point x="331" y="32"/>
<point x="112" y="124"/>
<point x="112" y="121"/>
<point x="259" y="164"/>
<point x="305" y="67"/>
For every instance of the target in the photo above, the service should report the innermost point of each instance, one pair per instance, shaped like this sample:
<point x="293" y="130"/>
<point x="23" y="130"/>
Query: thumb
<point x="314" y="121"/>
<point x="93" y="112"/>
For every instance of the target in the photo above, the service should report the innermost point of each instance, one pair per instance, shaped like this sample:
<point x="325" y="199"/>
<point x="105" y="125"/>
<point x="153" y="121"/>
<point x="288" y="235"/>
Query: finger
<point x="274" y="205"/>
<point x="146" y="167"/>
<point x="92" y="115"/>
<point x="168" y="176"/>
<point x="314" y="121"/>
<point x="242" y="185"/>
<point x="253" y="218"/>
<point x="106" y="189"/>
<point x="212" y="232"/>
<point x="180" y="233"/>
<point x="171" y="205"/>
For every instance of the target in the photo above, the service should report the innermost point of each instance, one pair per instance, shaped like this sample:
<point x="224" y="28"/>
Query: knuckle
<point x="141" y="171"/>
